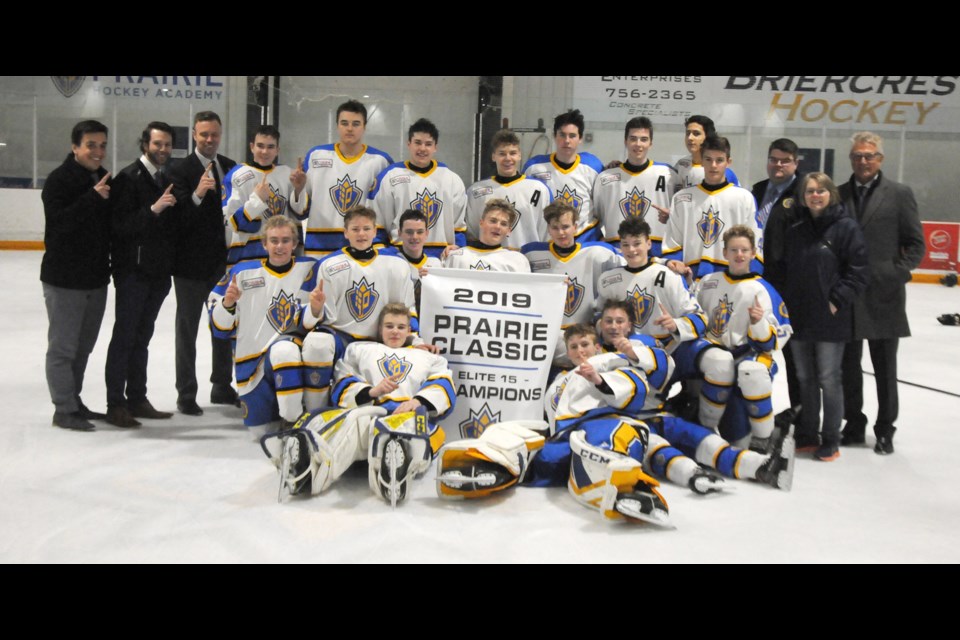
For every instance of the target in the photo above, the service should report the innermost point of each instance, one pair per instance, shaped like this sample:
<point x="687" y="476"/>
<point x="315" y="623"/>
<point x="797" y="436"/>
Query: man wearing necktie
<point x="141" y="259"/>
<point x="887" y="213"/>
<point x="200" y="260"/>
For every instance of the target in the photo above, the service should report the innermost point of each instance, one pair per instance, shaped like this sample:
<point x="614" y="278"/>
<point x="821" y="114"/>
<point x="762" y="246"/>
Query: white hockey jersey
<point x="484" y="259"/>
<point x="334" y="185"/>
<point x="357" y="291"/>
<point x="244" y="211"/>
<point x="573" y="186"/>
<point x="583" y="266"/>
<point x="645" y="290"/>
<point x="726" y="300"/>
<point x="698" y="219"/>
<point x="439" y="194"/>
<point x="528" y="196"/>
<point x="425" y="262"/>
<point x="619" y="194"/>
<point x="269" y="307"/>
<point x="417" y="373"/>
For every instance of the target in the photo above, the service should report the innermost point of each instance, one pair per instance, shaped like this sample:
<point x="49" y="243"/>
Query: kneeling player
<point x="259" y="303"/>
<point x="488" y="253"/>
<point x="372" y="379"/>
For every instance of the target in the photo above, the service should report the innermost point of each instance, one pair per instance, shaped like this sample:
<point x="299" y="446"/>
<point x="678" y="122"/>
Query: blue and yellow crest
<point x="557" y="392"/>
<point x="276" y="204"/>
<point x="345" y="194"/>
<point x="478" y="421"/>
<point x="720" y="317"/>
<point x="393" y="367"/>
<point x="480" y="266"/>
<point x="574" y="297"/>
<point x="783" y="310"/>
<point x="635" y="204"/>
<point x="361" y="300"/>
<point x="710" y="227"/>
<point x="429" y="205"/>
<point x="514" y="204"/>
<point x="642" y="303"/>
<point x="282" y="311"/>
<point x="570" y="197"/>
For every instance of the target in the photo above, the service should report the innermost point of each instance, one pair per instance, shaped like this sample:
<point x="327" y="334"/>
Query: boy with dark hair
<point x="569" y="174"/>
<point x="423" y="184"/>
<point x="527" y="196"/>
<point x="257" y="191"/>
<point x="339" y="177"/>
<point x="638" y="188"/>
<point x="697" y="128"/>
<point x="700" y="214"/>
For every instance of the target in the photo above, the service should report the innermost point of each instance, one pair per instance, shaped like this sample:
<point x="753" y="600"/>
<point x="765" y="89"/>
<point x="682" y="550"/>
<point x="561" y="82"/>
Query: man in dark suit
<point x="776" y="211"/>
<point x="141" y="250"/>
<point x="200" y="262"/>
<point x="887" y="212"/>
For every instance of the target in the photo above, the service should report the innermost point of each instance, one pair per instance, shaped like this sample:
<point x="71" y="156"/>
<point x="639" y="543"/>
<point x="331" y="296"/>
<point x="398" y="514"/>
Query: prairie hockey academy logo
<point x="429" y="205"/>
<point x="720" y="317"/>
<point x="514" y="205"/>
<point x="570" y="197"/>
<point x="642" y="303"/>
<point x="361" y="300"/>
<point x="574" y="297"/>
<point x="276" y="203"/>
<point x="710" y="227"/>
<point x="68" y="85"/>
<point x="282" y="311"/>
<point x="345" y="194"/>
<point x="393" y="367"/>
<point x="555" y="398"/>
<point x="635" y="204"/>
<point x="478" y="421"/>
<point x="480" y="266"/>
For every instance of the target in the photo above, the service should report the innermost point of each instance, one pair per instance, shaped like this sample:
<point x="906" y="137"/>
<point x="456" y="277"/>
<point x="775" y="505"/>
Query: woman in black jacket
<point x="825" y="267"/>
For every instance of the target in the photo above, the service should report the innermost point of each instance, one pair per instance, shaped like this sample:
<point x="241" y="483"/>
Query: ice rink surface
<point x="198" y="489"/>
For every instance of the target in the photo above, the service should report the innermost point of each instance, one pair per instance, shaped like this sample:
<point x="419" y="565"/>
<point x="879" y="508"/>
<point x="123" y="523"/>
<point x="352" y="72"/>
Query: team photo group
<point x="642" y="305"/>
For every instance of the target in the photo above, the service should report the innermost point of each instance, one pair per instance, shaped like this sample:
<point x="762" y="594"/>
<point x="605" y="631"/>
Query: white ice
<point x="200" y="490"/>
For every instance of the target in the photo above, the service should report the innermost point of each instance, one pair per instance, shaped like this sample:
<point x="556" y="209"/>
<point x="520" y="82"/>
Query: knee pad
<point x="284" y="352"/>
<point x="717" y="366"/>
<point x="497" y="460"/>
<point x="400" y="450"/>
<point x="317" y="354"/>
<point x="756" y="386"/>
<point x="613" y="484"/>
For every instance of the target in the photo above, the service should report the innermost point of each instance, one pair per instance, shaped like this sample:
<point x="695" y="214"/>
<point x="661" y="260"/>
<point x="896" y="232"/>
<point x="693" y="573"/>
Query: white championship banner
<point x="498" y="332"/>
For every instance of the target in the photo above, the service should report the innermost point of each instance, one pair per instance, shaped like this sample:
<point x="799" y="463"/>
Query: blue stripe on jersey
<point x="732" y="177"/>
<point x="540" y="159"/>
<point x="379" y="179"/>
<point x="592" y="161"/>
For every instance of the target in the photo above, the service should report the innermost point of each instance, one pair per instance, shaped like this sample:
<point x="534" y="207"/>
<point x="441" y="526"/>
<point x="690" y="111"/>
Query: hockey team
<point x="319" y="299"/>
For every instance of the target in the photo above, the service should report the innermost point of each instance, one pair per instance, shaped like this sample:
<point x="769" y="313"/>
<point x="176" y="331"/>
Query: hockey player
<point x="639" y="187"/>
<point x="258" y="304"/>
<point x="581" y="262"/>
<point x="747" y="317"/>
<point x="488" y="253"/>
<point x="255" y="192"/>
<point x="702" y="213"/>
<point x="415" y="386"/>
<point x="358" y="282"/>
<point x="339" y="177"/>
<point x="570" y="175"/>
<point x="527" y="195"/>
<point x="423" y="184"/>
<point x="697" y="128"/>
<point x="413" y="232"/>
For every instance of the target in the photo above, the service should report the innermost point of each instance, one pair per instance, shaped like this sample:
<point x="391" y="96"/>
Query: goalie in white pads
<point x="373" y="379"/>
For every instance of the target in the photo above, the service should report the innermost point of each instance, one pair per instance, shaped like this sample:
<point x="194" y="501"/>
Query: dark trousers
<point x="883" y="355"/>
<point x="138" y="301"/>
<point x="191" y="311"/>
<point x="793" y="382"/>
<point x="75" y="316"/>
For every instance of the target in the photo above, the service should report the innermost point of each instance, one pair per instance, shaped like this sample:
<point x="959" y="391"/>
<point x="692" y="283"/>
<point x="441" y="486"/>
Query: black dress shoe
<point x="852" y="436"/>
<point x="224" y="394"/>
<point x="72" y="421"/>
<point x="189" y="407"/>
<point x="884" y="445"/>
<point x="144" y="409"/>
<point x="120" y="417"/>
<point x="87" y="414"/>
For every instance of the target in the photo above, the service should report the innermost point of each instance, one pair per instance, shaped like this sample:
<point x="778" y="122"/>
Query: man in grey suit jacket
<point x="887" y="212"/>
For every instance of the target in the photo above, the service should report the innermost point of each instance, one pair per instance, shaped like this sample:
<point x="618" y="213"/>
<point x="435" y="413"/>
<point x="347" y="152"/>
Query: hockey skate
<point x="777" y="471"/>
<point x="475" y="476"/>
<point x="706" y="481"/>
<point x="393" y="471"/>
<point x="295" y="476"/>
<point x="644" y="503"/>
<point x="399" y="451"/>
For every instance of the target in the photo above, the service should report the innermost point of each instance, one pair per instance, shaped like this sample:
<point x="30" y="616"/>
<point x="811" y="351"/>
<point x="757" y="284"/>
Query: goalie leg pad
<point x="399" y="451"/>
<point x="613" y="484"/>
<point x="497" y="460"/>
